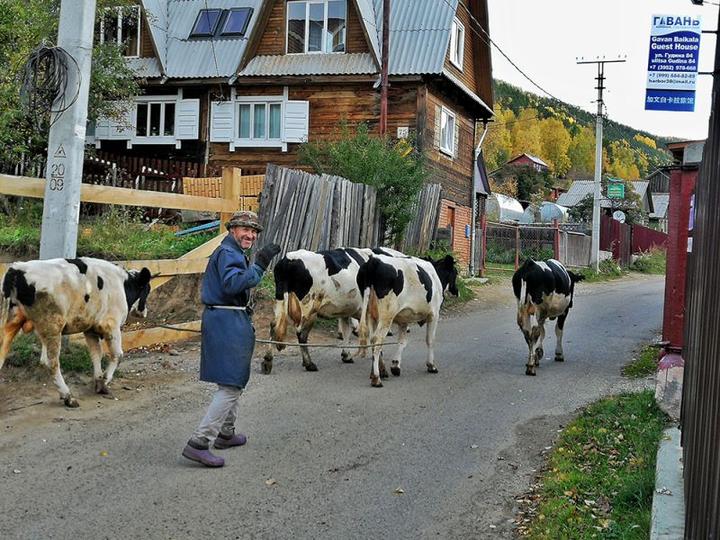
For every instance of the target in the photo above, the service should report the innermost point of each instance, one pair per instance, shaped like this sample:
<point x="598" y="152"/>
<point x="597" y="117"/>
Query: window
<point x="457" y="43"/>
<point x="260" y="121"/>
<point x="155" y="119"/>
<point x="316" y="26"/>
<point x="447" y="131"/>
<point x="206" y="23"/>
<point x="236" y="22"/>
<point x="122" y="26"/>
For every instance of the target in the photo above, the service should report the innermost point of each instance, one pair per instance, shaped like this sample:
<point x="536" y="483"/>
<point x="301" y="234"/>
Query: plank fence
<point x="163" y="271"/>
<point x="426" y="212"/>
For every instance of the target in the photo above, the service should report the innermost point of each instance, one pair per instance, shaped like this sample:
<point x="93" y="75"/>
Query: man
<point x="228" y="336"/>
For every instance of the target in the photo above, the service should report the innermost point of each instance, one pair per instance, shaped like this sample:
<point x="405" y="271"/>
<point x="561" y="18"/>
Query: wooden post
<point x="556" y="239"/>
<point x="517" y="247"/>
<point x="231" y="183"/>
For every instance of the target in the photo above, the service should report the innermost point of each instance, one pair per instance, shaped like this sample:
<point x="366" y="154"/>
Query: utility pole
<point x="66" y="141"/>
<point x="384" y="67"/>
<point x="595" y="247"/>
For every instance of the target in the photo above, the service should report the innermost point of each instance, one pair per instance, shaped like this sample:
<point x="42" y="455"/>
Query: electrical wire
<point x="45" y="85"/>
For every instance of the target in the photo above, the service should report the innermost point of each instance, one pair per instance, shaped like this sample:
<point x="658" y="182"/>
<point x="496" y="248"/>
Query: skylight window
<point x="206" y="23"/>
<point x="236" y="22"/>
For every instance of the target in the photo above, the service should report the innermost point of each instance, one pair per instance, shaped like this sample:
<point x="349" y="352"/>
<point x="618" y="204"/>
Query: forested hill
<point x="564" y="137"/>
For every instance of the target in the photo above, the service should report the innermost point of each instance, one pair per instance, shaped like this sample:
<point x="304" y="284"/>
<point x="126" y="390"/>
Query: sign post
<point x="673" y="63"/>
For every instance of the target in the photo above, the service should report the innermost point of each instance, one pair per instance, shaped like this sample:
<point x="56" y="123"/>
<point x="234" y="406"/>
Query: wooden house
<point x="244" y="82"/>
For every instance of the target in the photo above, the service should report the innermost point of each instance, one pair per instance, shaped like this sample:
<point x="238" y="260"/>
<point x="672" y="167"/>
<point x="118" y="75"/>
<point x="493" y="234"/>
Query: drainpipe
<point x="473" y="238"/>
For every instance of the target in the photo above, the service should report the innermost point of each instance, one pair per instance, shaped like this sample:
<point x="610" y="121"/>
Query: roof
<point x="310" y="64"/>
<point x="580" y="189"/>
<point x="532" y="158"/>
<point x="661" y="201"/>
<point x="147" y="68"/>
<point x="182" y="58"/>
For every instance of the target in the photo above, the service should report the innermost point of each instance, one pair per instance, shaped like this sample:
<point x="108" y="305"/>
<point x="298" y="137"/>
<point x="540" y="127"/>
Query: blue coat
<point x="228" y="336"/>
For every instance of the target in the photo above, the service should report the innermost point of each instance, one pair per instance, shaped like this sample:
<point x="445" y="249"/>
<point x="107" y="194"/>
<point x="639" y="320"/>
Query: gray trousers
<point x="220" y="416"/>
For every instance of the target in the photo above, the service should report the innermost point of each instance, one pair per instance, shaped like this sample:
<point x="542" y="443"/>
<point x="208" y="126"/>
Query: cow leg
<point x="430" y="341"/>
<point x="402" y="343"/>
<point x="95" y="349"/>
<point x="267" y="361"/>
<point x="345" y="330"/>
<point x="116" y="353"/>
<point x="9" y="332"/>
<point x="50" y="356"/>
<point x="559" y="327"/>
<point x="377" y="340"/>
<point x="302" y="337"/>
<point x="539" y="351"/>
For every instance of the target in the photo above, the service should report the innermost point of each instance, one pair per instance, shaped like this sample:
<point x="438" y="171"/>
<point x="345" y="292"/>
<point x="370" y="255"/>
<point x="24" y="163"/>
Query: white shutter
<point x="456" y="138"/>
<point x="222" y="121"/>
<point x="187" y="119"/>
<point x="102" y="129"/>
<point x="438" y="127"/>
<point x="297" y="120"/>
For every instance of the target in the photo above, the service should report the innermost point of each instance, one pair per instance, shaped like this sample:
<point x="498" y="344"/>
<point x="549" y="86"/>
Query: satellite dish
<point x="619" y="215"/>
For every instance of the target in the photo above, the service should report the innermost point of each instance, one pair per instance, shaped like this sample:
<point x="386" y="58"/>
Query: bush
<point x="652" y="261"/>
<point x="497" y="253"/>
<point x="25" y="352"/>
<point x="395" y="170"/>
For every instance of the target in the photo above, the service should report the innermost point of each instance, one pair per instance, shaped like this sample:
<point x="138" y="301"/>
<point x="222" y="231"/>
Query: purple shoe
<point x="202" y="455"/>
<point x="224" y="441"/>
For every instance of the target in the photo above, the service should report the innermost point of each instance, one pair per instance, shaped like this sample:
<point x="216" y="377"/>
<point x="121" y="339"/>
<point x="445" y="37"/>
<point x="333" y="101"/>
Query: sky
<point x="545" y="38"/>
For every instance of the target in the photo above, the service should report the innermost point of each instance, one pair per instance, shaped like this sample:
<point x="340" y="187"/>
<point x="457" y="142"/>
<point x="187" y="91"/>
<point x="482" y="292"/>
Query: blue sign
<point x="673" y="63"/>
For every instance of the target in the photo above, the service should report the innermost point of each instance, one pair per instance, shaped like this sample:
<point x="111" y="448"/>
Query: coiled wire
<point x="44" y="92"/>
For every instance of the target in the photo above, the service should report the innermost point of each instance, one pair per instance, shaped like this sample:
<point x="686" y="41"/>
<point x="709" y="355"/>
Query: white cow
<point x="402" y="291"/>
<point x="322" y="284"/>
<point x="68" y="296"/>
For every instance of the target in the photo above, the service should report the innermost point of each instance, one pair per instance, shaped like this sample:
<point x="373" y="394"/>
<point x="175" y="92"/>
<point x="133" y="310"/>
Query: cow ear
<point x="449" y="261"/>
<point x="144" y="276"/>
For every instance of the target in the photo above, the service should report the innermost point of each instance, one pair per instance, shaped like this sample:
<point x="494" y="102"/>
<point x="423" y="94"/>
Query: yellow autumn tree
<point x="582" y="152"/>
<point x="622" y="161"/>
<point x="555" y="144"/>
<point x="526" y="134"/>
<point x="497" y="146"/>
<point x="647" y="141"/>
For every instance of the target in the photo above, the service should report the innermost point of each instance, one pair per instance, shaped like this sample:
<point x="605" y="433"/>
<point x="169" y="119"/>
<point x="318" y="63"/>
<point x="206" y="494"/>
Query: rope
<point x="286" y="343"/>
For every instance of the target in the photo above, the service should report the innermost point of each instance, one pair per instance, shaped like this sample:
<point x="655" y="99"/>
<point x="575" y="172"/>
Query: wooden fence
<point x="250" y="189"/>
<point x="421" y="229"/>
<point x="191" y="263"/>
<point x="302" y="210"/>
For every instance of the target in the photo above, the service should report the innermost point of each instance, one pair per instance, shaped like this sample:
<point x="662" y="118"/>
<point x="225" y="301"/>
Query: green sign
<point x="616" y="190"/>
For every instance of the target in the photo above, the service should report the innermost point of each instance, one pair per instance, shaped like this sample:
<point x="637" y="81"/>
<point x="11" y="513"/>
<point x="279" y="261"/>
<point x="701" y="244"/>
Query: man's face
<point x="244" y="236"/>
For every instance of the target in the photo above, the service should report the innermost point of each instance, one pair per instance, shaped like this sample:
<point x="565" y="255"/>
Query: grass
<point x="600" y="477"/>
<point x="644" y="365"/>
<point x="25" y="353"/>
<point x="117" y="235"/>
<point x="651" y="262"/>
<point x="609" y="270"/>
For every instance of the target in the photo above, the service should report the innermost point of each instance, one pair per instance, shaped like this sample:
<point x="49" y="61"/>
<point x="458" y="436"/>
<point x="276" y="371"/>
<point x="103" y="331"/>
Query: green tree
<point x="526" y="182"/>
<point x="23" y="27"/>
<point x="631" y="205"/>
<point x="395" y="170"/>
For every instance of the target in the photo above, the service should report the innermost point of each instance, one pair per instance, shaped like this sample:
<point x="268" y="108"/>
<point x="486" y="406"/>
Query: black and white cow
<point x="544" y="290"/>
<point x="68" y="296"/>
<point x="402" y="291"/>
<point x="322" y="284"/>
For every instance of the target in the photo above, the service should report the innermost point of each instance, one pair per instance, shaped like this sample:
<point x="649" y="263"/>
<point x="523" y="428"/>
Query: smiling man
<point x="228" y="336"/>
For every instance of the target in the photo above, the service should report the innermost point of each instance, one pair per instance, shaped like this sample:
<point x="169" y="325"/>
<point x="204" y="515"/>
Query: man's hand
<point x="266" y="254"/>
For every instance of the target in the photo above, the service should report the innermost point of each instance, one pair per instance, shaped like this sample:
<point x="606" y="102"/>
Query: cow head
<point x="137" y="289"/>
<point x="447" y="273"/>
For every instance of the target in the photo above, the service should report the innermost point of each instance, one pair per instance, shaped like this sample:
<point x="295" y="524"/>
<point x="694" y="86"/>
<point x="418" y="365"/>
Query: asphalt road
<point x="327" y="454"/>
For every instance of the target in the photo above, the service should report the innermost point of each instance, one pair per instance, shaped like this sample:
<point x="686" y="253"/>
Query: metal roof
<point x="156" y="15"/>
<point x="310" y="64"/>
<point x="147" y="68"/>
<point x="580" y="189"/>
<point x="419" y="34"/>
<point x="199" y="58"/>
<point x="661" y="201"/>
<point x="366" y="11"/>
